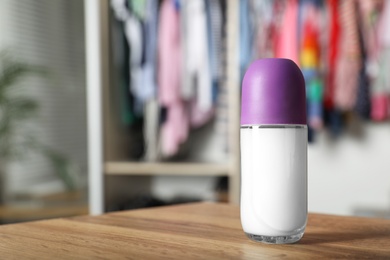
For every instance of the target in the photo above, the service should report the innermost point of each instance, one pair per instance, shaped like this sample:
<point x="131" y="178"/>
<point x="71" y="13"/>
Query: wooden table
<point x="190" y="231"/>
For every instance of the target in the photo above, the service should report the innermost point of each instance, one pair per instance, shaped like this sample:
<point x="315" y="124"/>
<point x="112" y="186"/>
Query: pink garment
<point x="349" y="61"/>
<point x="198" y="116"/>
<point x="379" y="108"/>
<point x="169" y="55"/>
<point x="383" y="30"/>
<point x="174" y="130"/>
<point x="287" y="42"/>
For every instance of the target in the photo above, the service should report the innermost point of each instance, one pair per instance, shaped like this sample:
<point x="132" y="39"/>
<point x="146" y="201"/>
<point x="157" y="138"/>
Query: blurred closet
<point x="118" y="170"/>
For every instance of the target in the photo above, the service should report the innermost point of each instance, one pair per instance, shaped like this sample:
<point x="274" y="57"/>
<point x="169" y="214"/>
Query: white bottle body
<point x="274" y="182"/>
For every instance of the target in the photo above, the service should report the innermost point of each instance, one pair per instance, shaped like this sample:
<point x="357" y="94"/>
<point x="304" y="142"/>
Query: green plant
<point x="16" y="111"/>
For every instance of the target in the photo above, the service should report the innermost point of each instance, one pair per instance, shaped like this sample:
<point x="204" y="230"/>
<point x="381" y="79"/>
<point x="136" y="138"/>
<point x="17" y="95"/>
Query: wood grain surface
<point x="188" y="231"/>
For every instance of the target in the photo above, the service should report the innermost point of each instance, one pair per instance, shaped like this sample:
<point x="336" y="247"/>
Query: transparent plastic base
<point x="276" y="239"/>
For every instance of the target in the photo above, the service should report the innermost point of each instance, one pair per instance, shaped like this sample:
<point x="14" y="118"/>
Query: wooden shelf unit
<point x="161" y="168"/>
<point x="108" y="140"/>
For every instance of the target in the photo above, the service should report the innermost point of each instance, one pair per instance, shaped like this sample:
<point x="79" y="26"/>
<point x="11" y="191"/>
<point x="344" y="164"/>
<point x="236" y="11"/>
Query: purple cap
<point x="273" y="92"/>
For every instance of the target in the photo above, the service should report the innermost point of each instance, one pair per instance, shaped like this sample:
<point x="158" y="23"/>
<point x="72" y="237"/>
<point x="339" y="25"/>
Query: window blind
<point x="49" y="33"/>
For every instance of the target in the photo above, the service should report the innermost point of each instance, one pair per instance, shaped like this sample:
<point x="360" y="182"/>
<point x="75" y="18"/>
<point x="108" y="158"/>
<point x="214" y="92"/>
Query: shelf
<point x="177" y="169"/>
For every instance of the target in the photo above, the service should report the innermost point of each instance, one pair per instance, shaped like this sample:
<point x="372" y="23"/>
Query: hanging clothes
<point x="134" y="35"/>
<point x="349" y="59"/>
<point x="333" y="49"/>
<point x="287" y="43"/>
<point x="174" y="130"/>
<point x="363" y="104"/>
<point x="121" y="55"/>
<point x="196" y="88"/>
<point x="343" y="49"/>
<point x="134" y="31"/>
<point x="310" y="64"/>
<point x="148" y="84"/>
<point x="262" y="29"/>
<point x="139" y="7"/>
<point x="196" y="63"/>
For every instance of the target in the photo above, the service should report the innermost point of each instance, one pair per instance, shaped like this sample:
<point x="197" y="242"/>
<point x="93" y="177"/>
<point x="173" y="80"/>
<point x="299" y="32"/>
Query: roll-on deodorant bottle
<point x="273" y="139"/>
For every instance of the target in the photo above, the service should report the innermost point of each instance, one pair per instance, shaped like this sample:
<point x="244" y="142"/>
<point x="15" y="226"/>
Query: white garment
<point x="196" y="53"/>
<point x="120" y="10"/>
<point x="149" y="83"/>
